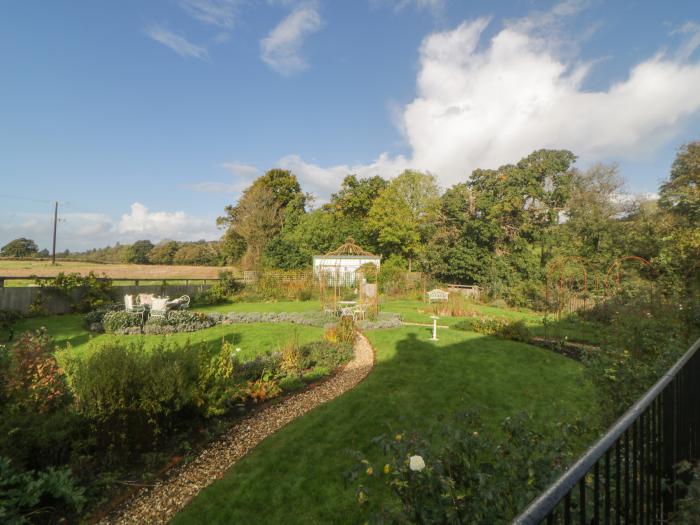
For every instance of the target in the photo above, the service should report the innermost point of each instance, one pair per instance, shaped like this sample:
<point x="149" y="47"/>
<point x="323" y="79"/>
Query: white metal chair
<point x="181" y="303"/>
<point x="146" y="299"/>
<point x="159" y="307"/>
<point x="132" y="308"/>
<point x="358" y="313"/>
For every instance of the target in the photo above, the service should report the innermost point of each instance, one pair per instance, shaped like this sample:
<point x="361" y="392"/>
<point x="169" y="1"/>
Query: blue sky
<point x="144" y="119"/>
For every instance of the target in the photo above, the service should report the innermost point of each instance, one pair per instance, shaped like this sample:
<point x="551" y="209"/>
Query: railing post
<point x="669" y="447"/>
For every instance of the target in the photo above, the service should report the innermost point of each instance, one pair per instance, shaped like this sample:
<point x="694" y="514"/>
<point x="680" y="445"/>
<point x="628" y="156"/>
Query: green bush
<point x="219" y="292"/>
<point x="7" y="320"/>
<point x="461" y="474"/>
<point x="97" y="316"/>
<point x="121" y="322"/>
<point x="323" y="353"/>
<point x="36" y="441"/>
<point x="289" y="383"/>
<point x="177" y="321"/>
<point x="84" y="292"/>
<point x="515" y="330"/>
<point x="49" y="496"/>
<point x="33" y="380"/>
<point x="218" y="385"/>
<point x="132" y="396"/>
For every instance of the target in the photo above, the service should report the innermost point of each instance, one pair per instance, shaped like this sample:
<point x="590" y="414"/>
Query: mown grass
<point x="253" y="339"/>
<point x="571" y="328"/>
<point x="296" y="475"/>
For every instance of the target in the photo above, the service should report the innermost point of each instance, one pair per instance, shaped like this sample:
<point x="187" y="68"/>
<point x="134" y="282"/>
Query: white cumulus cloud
<point x="483" y="103"/>
<point x="142" y="223"/>
<point x="281" y="48"/>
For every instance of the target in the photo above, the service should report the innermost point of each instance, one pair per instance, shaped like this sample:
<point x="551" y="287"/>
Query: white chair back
<point x="129" y="302"/>
<point x="146" y="299"/>
<point x="159" y="305"/>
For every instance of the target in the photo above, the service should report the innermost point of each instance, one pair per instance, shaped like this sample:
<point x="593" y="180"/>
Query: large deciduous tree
<point x="138" y="252"/>
<point x="680" y="194"/>
<point x="261" y="212"/>
<point x="403" y="215"/>
<point x="19" y="248"/>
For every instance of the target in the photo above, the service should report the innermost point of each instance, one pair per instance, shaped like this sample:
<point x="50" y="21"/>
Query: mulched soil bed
<point x="158" y="504"/>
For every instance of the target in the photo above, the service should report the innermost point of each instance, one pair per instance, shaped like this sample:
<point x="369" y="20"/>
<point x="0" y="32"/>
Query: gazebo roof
<point x="350" y="247"/>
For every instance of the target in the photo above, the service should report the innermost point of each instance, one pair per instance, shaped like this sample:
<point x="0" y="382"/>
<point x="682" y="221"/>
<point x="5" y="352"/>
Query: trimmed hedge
<point x="121" y="322"/>
<point x="178" y="321"/>
<point x="514" y="330"/>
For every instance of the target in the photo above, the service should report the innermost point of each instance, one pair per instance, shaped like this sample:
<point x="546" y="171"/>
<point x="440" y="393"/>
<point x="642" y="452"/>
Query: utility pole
<point x="55" y="220"/>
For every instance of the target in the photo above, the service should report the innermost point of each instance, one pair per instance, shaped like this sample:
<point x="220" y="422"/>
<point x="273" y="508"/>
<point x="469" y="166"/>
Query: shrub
<point x="461" y="474"/>
<point x="287" y="384"/>
<point x="292" y="359"/>
<point x="218" y="387"/>
<point x="131" y="396"/>
<point x="83" y="292"/>
<point x="325" y="354"/>
<point x="34" y="380"/>
<point x="392" y="321"/>
<point x="51" y="495"/>
<point x="343" y="331"/>
<point x="36" y="440"/>
<point x="121" y="322"/>
<point x="689" y="506"/>
<point x="263" y="388"/>
<point x="219" y="292"/>
<point x="177" y="321"/>
<point x="308" y="318"/>
<point x="96" y="316"/>
<point x="507" y="329"/>
<point x="7" y="320"/>
<point x="256" y="368"/>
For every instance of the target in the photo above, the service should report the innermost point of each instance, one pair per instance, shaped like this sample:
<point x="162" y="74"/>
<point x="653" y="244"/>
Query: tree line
<point x="499" y="228"/>
<point x="167" y="252"/>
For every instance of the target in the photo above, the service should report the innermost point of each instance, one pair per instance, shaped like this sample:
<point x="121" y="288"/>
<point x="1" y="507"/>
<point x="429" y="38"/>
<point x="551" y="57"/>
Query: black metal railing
<point x="629" y="475"/>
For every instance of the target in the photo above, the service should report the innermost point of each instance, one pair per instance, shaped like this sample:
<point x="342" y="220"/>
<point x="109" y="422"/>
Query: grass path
<point x="295" y="476"/>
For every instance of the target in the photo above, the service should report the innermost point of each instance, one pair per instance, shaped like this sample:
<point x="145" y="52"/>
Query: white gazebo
<point x="339" y="267"/>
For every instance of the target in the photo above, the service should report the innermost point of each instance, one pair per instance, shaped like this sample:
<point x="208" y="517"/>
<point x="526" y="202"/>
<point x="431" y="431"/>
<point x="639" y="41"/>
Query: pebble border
<point x="158" y="504"/>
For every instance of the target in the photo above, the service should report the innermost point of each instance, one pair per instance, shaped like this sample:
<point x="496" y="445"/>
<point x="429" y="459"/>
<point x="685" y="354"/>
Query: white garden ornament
<point x="435" y="320"/>
<point x="416" y="463"/>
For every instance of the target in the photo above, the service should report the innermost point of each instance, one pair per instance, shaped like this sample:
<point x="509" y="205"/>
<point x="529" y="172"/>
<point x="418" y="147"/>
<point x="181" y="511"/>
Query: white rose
<point x="416" y="463"/>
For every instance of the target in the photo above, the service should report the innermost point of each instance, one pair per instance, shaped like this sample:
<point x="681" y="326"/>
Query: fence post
<point x="669" y="446"/>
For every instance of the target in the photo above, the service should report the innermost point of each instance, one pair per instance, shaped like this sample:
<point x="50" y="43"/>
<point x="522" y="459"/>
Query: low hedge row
<point x="507" y="329"/>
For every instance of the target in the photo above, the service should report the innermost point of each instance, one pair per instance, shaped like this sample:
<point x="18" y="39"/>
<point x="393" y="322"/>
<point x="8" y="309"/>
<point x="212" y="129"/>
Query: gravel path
<point x="161" y="502"/>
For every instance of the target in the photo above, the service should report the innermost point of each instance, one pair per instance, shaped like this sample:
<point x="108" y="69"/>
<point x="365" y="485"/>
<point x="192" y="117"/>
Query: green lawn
<point x="253" y="339"/>
<point x="575" y="330"/>
<point x="295" y="476"/>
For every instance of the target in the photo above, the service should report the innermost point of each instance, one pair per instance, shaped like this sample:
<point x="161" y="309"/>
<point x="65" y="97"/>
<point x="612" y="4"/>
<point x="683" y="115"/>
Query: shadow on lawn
<point x="415" y="385"/>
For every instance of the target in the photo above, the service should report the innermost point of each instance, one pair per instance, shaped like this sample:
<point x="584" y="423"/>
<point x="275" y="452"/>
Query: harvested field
<point x="44" y="268"/>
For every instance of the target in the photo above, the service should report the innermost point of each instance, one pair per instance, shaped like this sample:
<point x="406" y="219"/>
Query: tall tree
<point x="261" y="211"/>
<point x="680" y="194"/>
<point x="19" y="248"/>
<point x="403" y="215"/>
<point x="163" y="252"/>
<point x="138" y="252"/>
<point x="591" y="229"/>
<point x="680" y="197"/>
